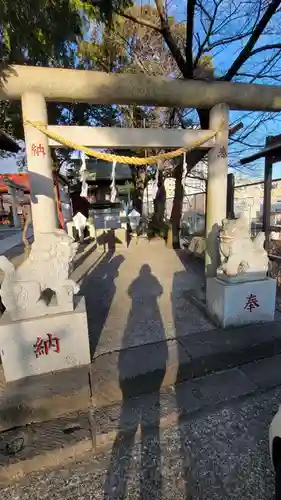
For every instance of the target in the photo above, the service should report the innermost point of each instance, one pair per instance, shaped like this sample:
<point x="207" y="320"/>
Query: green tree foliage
<point x="39" y="32"/>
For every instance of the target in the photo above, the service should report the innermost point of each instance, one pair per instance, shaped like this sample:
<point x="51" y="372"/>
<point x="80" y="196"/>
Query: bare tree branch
<point x="225" y="41"/>
<point x="169" y="39"/>
<point x="133" y="53"/>
<point x="161" y="12"/>
<point x="204" y="11"/>
<point x="276" y="77"/>
<point x="265" y="47"/>
<point x="207" y="36"/>
<point x="246" y="51"/>
<point x="189" y="37"/>
<point x="267" y="66"/>
<point x="243" y="31"/>
<point x="164" y="29"/>
<point x="197" y="39"/>
<point x="142" y="22"/>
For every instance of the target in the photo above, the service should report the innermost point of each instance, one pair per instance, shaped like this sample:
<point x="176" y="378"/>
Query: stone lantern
<point x="134" y="219"/>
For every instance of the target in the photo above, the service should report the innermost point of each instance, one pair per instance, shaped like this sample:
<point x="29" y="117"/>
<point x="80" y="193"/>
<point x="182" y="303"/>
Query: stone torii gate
<point x="39" y="161"/>
<point x="48" y="265"/>
<point x="35" y="84"/>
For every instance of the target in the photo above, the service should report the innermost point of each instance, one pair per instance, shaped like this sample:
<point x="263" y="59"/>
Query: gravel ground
<point x="218" y="453"/>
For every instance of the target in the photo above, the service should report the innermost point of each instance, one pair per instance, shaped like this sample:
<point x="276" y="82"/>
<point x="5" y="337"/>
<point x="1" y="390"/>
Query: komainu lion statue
<point x="240" y="254"/>
<point x="47" y="267"/>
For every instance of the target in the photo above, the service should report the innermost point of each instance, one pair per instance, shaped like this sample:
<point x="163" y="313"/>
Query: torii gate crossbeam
<point x="96" y="87"/>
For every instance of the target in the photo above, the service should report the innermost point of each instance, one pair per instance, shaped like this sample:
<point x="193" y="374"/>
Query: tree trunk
<point x="160" y="200"/>
<point x="137" y="200"/>
<point x="139" y="178"/>
<point x="175" y="220"/>
<point x="157" y="225"/>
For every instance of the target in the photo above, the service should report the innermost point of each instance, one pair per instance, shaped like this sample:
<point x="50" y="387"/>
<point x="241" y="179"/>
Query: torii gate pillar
<point x="39" y="163"/>
<point x="216" y="187"/>
<point x="47" y="267"/>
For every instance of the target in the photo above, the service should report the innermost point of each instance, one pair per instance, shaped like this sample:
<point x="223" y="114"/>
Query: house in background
<point x="15" y="192"/>
<point x="97" y="203"/>
<point x="194" y="197"/>
<point x="8" y="212"/>
<point x="15" y="199"/>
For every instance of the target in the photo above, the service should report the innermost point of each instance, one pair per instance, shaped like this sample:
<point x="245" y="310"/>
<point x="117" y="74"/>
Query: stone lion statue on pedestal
<point x="47" y="267"/>
<point x="240" y="254"/>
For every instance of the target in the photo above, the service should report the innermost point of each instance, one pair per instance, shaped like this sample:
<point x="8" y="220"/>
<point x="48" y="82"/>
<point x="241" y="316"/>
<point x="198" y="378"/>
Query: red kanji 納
<point x="37" y="150"/>
<point x="42" y="347"/>
<point x="251" y="302"/>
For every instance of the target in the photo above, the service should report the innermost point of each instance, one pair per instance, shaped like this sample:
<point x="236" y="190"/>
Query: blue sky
<point x="8" y="165"/>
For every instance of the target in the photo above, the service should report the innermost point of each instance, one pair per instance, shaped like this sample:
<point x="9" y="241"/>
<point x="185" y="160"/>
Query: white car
<point x="275" y="450"/>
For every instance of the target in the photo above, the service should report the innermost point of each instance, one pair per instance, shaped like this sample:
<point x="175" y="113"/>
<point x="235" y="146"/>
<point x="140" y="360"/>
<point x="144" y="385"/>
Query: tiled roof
<point x="20" y="179"/>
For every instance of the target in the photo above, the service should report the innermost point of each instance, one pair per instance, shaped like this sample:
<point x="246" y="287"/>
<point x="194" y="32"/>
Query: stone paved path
<point x="138" y="295"/>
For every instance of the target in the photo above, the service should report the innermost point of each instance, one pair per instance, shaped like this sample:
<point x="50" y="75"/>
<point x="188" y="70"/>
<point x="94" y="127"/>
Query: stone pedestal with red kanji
<point x="236" y="304"/>
<point x="45" y="344"/>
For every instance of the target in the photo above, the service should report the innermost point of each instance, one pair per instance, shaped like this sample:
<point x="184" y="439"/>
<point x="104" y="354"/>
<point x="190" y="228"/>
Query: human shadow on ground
<point x="99" y="288"/>
<point x="144" y="292"/>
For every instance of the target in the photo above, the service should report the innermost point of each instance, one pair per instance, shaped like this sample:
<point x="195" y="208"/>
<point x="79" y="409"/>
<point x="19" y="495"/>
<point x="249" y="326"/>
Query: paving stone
<point x="134" y="371"/>
<point x="264" y="372"/>
<point x="138" y="296"/>
<point x="221" y="349"/>
<point x="213" y="389"/>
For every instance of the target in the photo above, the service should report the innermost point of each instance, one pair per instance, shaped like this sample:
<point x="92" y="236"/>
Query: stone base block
<point x="46" y="344"/>
<point x="239" y="304"/>
<point x="243" y="278"/>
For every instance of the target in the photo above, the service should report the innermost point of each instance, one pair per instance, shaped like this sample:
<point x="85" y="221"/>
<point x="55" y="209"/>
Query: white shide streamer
<point x="112" y="185"/>
<point x="83" y="176"/>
